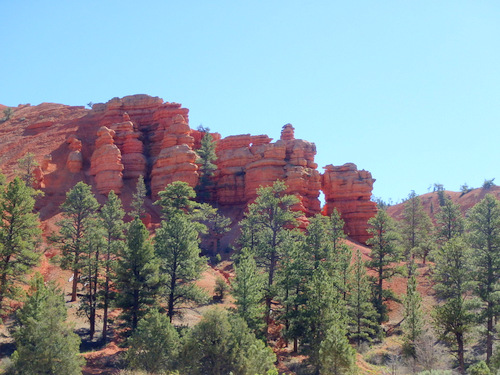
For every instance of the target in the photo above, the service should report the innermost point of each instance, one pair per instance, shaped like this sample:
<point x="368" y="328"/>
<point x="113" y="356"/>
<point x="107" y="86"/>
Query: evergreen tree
<point x="207" y="168"/>
<point x="45" y="344"/>
<point x="449" y="221"/>
<point x="267" y="218"/>
<point x="111" y="216"/>
<point x="91" y="266"/>
<point x="384" y="254"/>
<point x="363" y="317"/>
<point x="336" y="355"/>
<point x="154" y="346"/>
<point x="413" y="317"/>
<point x="416" y="227"/>
<point x="221" y="344"/>
<point x="137" y="275"/>
<point x="19" y="236"/>
<point x="484" y="226"/>
<point x="248" y="291"/>
<point x="323" y="306"/>
<point x="27" y="166"/>
<point x="138" y="199"/>
<point x="453" y="318"/>
<point x="319" y="240"/>
<point x="217" y="225"/>
<point x="176" y="198"/>
<point x="177" y="246"/>
<point x="79" y="212"/>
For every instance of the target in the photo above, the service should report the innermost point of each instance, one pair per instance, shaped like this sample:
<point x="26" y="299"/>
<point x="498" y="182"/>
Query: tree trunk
<point x="75" y="286"/>
<point x="460" y="352"/>
<point x="489" y="339"/>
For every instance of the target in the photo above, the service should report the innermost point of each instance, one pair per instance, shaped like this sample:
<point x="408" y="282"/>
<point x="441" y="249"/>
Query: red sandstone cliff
<point x="113" y="143"/>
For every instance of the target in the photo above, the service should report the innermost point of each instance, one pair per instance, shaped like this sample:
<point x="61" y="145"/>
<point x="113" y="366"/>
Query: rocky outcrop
<point x="106" y="163"/>
<point x="177" y="160"/>
<point x="75" y="159"/>
<point x="247" y="162"/>
<point x="128" y="140"/>
<point x="141" y="134"/>
<point x="349" y="191"/>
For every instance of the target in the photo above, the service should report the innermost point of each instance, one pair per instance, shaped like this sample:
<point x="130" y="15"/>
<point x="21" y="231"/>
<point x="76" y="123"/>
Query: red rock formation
<point x="106" y="163"/>
<point x="349" y="190"/>
<point x="131" y="147"/>
<point x="177" y="160"/>
<point x="75" y="159"/>
<point x="247" y="162"/>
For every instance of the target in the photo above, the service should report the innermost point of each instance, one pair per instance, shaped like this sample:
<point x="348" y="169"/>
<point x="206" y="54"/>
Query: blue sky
<point x="409" y="90"/>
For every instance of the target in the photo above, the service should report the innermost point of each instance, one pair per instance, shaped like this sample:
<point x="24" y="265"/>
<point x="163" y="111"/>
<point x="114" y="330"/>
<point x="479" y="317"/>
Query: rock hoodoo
<point x="75" y="159"/>
<point x="106" y="163"/>
<point x="349" y="191"/>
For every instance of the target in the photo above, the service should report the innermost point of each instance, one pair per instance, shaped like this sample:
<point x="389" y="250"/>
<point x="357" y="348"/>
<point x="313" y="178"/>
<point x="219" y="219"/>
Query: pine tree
<point x="363" y="317"/>
<point x="138" y="199"/>
<point x="177" y="197"/>
<point x="323" y="306"/>
<point x="484" y="225"/>
<point x="217" y="225"/>
<point x="413" y="317"/>
<point x="336" y="355"/>
<point x="248" y="291"/>
<point x="449" y="221"/>
<point x="154" y="346"/>
<point x="91" y="266"/>
<point x="267" y="218"/>
<point x="207" y="168"/>
<point x="45" y="344"/>
<point x="453" y="318"/>
<point x="177" y="246"/>
<point x="111" y="216"/>
<point x="27" y="166"/>
<point x="19" y="236"/>
<point x="137" y="275"/>
<point x="79" y="211"/>
<point x="384" y="253"/>
<point x="221" y="344"/>
<point x="415" y="229"/>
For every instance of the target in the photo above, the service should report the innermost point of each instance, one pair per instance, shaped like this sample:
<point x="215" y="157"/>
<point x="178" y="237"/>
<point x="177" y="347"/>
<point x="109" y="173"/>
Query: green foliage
<point x="177" y="197"/>
<point x="248" y="291"/>
<point x="484" y="237"/>
<point x="138" y="199"/>
<point x="111" y="218"/>
<point x="19" y="236"/>
<point x="336" y="356"/>
<point x="384" y="254"/>
<point x="413" y="317"/>
<point x="221" y="344"/>
<point x="207" y="168"/>
<point x="453" y="318"/>
<point x="155" y="344"/>
<point x="137" y="275"/>
<point x="45" y="344"/>
<point x="79" y="212"/>
<point x="479" y="368"/>
<point x="464" y="189"/>
<point x="221" y="288"/>
<point x="449" y="221"/>
<point x="416" y="227"/>
<point x="264" y="230"/>
<point x="363" y="324"/>
<point x="217" y="225"/>
<point x="488" y="184"/>
<point x="27" y="165"/>
<point x="7" y="114"/>
<point x="177" y="247"/>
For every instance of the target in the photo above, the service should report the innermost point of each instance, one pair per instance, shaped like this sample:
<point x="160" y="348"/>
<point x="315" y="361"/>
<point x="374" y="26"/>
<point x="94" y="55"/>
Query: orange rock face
<point x="349" y="191"/>
<point x="177" y="160"/>
<point x="142" y="135"/>
<point x="247" y="162"/>
<point x="106" y="163"/>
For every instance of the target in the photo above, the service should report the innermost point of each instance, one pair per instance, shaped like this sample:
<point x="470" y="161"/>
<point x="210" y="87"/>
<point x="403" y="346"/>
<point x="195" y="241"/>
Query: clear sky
<point x="409" y="90"/>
